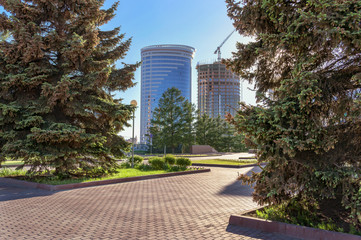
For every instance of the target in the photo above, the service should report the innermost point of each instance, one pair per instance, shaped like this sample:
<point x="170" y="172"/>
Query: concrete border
<point x="48" y="187"/>
<point x="289" y="229"/>
<point x="225" y="165"/>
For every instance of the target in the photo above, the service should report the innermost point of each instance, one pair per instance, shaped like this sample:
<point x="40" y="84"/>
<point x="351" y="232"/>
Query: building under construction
<point x="219" y="90"/>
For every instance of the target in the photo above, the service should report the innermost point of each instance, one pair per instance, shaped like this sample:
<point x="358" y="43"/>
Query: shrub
<point x="183" y="162"/>
<point x="169" y="159"/>
<point x="157" y="163"/>
<point x="144" y="167"/>
<point x="137" y="159"/>
<point x="175" y="168"/>
<point x="300" y="213"/>
<point x="95" y="172"/>
<point x="125" y="164"/>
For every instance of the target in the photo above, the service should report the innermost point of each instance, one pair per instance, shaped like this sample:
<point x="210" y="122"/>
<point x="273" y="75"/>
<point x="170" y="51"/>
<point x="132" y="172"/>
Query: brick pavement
<point x="194" y="206"/>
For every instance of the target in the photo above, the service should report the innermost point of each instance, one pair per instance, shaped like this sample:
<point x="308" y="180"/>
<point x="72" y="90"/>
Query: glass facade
<point x="163" y="67"/>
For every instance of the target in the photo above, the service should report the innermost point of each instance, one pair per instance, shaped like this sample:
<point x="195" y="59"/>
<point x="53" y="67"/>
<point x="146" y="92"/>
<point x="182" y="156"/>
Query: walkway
<point x="229" y="156"/>
<point x="183" y="207"/>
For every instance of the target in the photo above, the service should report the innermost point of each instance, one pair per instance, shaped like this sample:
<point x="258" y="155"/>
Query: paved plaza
<point x="195" y="206"/>
<point x="227" y="156"/>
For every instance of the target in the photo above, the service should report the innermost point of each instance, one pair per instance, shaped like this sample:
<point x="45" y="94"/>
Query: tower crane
<point x="218" y="50"/>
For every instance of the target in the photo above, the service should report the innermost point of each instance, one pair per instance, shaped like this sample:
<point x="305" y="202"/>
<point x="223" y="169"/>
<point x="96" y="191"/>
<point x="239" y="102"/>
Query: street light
<point x="134" y="104"/>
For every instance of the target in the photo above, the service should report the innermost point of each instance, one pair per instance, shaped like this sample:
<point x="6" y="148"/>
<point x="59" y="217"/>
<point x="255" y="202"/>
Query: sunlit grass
<point x="15" y="162"/>
<point x="53" y="180"/>
<point x="8" y="172"/>
<point x="226" y="161"/>
<point x="182" y="155"/>
<point x="122" y="173"/>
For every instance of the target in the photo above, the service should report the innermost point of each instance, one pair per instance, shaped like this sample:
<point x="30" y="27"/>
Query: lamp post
<point x="134" y="104"/>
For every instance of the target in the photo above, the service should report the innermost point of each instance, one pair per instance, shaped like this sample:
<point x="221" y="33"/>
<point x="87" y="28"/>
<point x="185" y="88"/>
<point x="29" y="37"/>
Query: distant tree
<point x="188" y="127"/>
<point x="305" y="61"/>
<point x="204" y="128"/>
<point x="172" y="120"/>
<point x="57" y="73"/>
<point x="238" y="143"/>
<point x="227" y="133"/>
<point x="217" y="133"/>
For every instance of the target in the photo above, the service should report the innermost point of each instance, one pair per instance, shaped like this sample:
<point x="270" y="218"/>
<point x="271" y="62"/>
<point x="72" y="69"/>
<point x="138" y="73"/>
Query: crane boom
<point x="218" y="50"/>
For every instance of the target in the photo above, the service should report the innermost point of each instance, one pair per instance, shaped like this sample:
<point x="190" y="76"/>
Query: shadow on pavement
<point x="237" y="188"/>
<point x="257" y="234"/>
<point x="10" y="192"/>
<point x="244" y="231"/>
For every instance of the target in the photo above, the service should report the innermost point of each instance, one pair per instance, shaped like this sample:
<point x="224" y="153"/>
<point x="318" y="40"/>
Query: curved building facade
<point x="219" y="90"/>
<point x="163" y="67"/>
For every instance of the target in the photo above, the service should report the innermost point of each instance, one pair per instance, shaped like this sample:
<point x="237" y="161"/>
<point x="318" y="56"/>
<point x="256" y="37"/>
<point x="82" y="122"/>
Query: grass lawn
<point x="8" y="172"/>
<point x="122" y="173"/>
<point x="18" y="162"/>
<point x="192" y="155"/>
<point x="178" y="155"/>
<point x="226" y="162"/>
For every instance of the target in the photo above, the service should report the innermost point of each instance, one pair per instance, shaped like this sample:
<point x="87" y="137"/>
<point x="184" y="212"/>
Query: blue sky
<point x="202" y="24"/>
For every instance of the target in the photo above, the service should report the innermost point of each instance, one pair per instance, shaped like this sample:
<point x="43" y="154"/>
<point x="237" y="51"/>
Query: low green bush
<point x="353" y="230"/>
<point x="93" y="172"/>
<point x="126" y="164"/>
<point x="137" y="159"/>
<point x="300" y="213"/>
<point x="175" y="168"/>
<point x="144" y="167"/>
<point x="183" y="162"/>
<point x="157" y="163"/>
<point x="169" y="159"/>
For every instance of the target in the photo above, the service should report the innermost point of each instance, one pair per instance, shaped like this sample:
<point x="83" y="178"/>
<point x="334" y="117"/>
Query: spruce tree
<point x="171" y="125"/>
<point x="204" y="128"/>
<point x="305" y="62"/>
<point x="57" y="75"/>
<point x="188" y="138"/>
<point x="215" y="132"/>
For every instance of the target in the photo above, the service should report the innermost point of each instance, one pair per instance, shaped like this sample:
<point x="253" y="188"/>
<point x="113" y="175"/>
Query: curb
<point x="289" y="229"/>
<point x="95" y="183"/>
<point x="226" y="166"/>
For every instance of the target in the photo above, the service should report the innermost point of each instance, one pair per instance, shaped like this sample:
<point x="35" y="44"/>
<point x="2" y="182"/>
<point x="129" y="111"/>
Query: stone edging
<point x="95" y="183"/>
<point x="225" y="165"/>
<point x="289" y="229"/>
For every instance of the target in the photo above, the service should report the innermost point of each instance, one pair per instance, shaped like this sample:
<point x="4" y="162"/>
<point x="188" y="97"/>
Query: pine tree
<point x="57" y="75"/>
<point x="305" y="61"/>
<point x="172" y="121"/>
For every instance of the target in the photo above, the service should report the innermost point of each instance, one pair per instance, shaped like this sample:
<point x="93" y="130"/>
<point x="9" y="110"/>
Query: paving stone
<point x="195" y="206"/>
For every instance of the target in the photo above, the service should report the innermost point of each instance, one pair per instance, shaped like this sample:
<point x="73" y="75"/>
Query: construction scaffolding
<point x="219" y="90"/>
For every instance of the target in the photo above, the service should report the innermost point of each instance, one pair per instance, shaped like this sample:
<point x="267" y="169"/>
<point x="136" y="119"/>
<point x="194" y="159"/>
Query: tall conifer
<point x="305" y="62"/>
<point x="172" y="121"/>
<point x="57" y="73"/>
